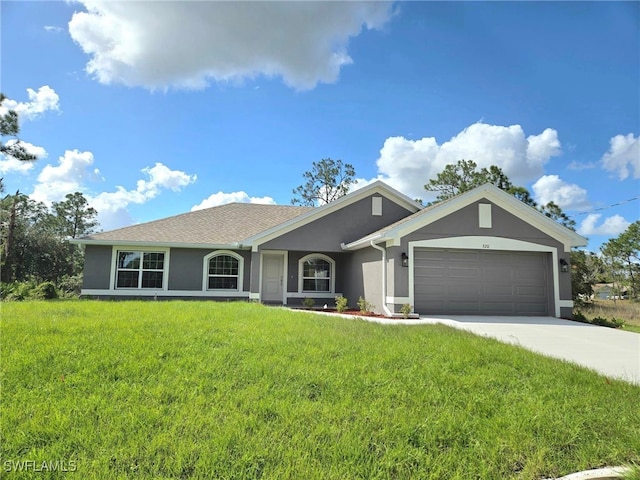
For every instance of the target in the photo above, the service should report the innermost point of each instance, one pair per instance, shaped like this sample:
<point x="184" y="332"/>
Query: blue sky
<point x="156" y="108"/>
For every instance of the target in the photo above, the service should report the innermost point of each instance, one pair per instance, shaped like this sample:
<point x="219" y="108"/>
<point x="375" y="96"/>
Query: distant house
<point x="483" y="252"/>
<point x="605" y="291"/>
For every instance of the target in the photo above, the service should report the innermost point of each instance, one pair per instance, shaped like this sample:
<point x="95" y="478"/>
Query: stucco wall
<point x="343" y="226"/>
<point x="97" y="266"/>
<point x="187" y="268"/>
<point x="362" y="277"/>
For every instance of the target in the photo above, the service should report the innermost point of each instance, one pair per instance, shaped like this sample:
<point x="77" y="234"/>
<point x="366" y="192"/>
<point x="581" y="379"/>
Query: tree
<point x="327" y="181"/>
<point x="622" y="256"/>
<point x="10" y="127"/>
<point x="74" y="216"/>
<point x="34" y="243"/>
<point x="586" y="270"/>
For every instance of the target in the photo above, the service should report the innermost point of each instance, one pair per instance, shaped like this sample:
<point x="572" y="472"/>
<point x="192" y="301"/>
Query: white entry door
<point x="272" y="278"/>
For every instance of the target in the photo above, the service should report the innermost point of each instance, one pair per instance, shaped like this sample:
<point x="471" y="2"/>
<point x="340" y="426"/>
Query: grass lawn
<point x="239" y="390"/>
<point x="627" y="310"/>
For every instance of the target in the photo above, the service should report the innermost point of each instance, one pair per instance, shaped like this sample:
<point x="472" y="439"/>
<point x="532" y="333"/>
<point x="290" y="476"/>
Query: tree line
<point x="35" y="247"/>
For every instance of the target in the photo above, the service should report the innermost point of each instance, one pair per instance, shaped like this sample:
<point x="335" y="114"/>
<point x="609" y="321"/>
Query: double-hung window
<point x="137" y="269"/>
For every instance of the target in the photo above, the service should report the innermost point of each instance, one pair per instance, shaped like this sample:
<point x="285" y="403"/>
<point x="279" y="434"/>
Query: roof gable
<point x="377" y="187"/>
<point x="528" y="214"/>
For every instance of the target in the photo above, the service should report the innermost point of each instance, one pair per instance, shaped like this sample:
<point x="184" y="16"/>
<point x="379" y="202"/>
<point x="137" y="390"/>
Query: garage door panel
<point x="480" y="282"/>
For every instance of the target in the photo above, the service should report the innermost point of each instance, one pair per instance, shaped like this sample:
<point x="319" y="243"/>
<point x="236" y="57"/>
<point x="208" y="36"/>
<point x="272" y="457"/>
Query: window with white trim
<point x="138" y="269"/>
<point x="316" y="274"/>
<point x="223" y="271"/>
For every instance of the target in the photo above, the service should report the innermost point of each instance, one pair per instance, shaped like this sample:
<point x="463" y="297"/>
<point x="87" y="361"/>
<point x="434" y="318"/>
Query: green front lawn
<point x="239" y="390"/>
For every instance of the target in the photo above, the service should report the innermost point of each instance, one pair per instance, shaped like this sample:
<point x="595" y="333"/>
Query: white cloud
<point x="222" y="198"/>
<point x="68" y="176"/>
<point x="612" y="226"/>
<point x="623" y="156"/>
<point x="111" y="206"/>
<point x="407" y="165"/>
<point x="75" y="169"/>
<point x="188" y="44"/>
<point x="575" y="165"/>
<point x="10" y="164"/>
<point x="54" y="29"/>
<point x="39" y="102"/>
<point x="568" y="196"/>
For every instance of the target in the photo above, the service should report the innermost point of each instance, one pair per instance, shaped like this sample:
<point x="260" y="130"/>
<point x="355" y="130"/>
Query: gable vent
<point x="376" y="206"/>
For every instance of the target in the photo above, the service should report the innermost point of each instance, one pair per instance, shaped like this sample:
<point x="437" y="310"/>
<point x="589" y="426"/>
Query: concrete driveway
<point x="611" y="352"/>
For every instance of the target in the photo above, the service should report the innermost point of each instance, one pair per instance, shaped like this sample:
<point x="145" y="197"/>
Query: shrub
<point x="308" y="302"/>
<point x="341" y="303"/>
<point x="45" y="291"/>
<point x="17" y="291"/>
<point x="364" y="306"/>
<point x="578" y="316"/>
<point x="405" y="310"/>
<point x="604" y="322"/>
<point x="70" y="285"/>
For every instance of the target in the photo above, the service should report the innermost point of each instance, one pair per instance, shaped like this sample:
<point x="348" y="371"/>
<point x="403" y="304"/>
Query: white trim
<point x="398" y="300"/>
<point x="566" y="303"/>
<point x="138" y="248"/>
<point x="332" y="275"/>
<point x="254" y="296"/>
<point x="205" y="270"/>
<point x="486" y="243"/>
<point x="147" y="244"/>
<point x="145" y="292"/>
<point x="285" y="272"/>
<point x="378" y="187"/>
<point x="313" y="295"/>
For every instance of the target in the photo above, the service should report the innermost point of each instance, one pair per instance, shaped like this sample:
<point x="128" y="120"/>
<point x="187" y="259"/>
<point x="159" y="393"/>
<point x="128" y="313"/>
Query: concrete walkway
<point x="611" y="352"/>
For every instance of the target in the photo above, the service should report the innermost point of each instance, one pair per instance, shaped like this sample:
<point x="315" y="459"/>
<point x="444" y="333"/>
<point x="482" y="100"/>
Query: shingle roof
<point x="222" y="225"/>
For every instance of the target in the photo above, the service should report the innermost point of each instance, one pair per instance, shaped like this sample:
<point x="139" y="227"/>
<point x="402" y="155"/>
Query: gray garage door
<point x="480" y="282"/>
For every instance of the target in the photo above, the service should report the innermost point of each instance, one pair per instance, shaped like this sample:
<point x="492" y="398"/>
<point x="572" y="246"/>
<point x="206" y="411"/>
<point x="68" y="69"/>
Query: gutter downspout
<point x="384" y="278"/>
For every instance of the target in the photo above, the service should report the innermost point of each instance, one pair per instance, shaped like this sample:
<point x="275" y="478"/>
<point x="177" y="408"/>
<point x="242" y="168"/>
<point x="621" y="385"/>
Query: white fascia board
<point x="502" y="199"/>
<point x="363" y="242"/>
<point x="319" y="212"/>
<point x="128" y="243"/>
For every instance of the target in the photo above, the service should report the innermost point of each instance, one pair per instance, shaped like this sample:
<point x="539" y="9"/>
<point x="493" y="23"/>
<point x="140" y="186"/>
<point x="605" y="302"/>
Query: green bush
<point x="364" y="306"/>
<point x="17" y="291"/>
<point x="341" y="303"/>
<point x="578" y="316"/>
<point x="70" y="285"/>
<point x="405" y="310"/>
<point x="45" y="291"/>
<point x="308" y="302"/>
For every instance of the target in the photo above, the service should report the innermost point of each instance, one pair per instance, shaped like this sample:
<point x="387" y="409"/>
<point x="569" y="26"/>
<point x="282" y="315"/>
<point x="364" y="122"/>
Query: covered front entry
<point x="481" y="282"/>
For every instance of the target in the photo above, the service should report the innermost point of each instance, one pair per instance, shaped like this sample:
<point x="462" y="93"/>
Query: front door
<point x="272" y="278"/>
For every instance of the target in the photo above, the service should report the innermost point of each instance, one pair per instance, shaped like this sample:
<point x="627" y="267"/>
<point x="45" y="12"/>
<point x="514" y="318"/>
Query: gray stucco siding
<point x="293" y="270"/>
<point x="363" y="277"/>
<point x="186" y="270"/>
<point x="97" y="267"/>
<point x="464" y="222"/>
<point x="345" y="225"/>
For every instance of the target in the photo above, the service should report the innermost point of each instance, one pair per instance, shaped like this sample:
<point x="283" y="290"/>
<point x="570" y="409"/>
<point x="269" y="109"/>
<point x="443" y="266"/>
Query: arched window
<point x="223" y="271"/>
<point x="316" y="273"/>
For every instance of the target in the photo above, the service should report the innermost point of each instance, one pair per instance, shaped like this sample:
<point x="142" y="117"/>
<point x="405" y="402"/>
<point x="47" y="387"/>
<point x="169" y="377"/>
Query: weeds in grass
<point x="239" y="390"/>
